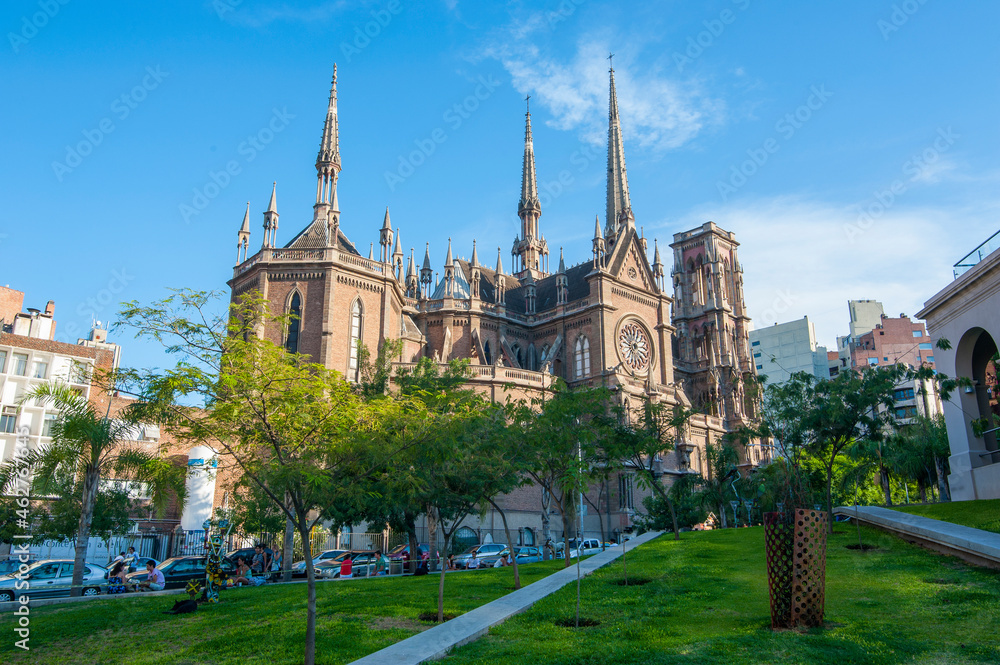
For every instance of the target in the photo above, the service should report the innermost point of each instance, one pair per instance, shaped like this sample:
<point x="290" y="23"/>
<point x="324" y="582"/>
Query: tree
<point x="88" y="446"/>
<point x="715" y="490"/>
<point x="295" y="430"/>
<point x="559" y="435"/>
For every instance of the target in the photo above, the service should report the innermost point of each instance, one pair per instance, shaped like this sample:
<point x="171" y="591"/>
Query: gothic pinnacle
<point x="475" y="257"/>
<point x="619" y="206"/>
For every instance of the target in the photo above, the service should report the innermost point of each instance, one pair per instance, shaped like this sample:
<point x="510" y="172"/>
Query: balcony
<point x="970" y="260"/>
<point x="492" y="374"/>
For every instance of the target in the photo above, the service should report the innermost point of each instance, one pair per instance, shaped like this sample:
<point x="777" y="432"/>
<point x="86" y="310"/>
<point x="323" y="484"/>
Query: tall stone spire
<point x="619" y="211"/>
<point x="426" y="272"/>
<point x="600" y="248"/>
<point x="475" y="273"/>
<point x="243" y="237"/>
<point x="658" y="272"/>
<point x="328" y="159"/>
<point x="530" y="248"/>
<point x="397" y="257"/>
<point x="385" y="238"/>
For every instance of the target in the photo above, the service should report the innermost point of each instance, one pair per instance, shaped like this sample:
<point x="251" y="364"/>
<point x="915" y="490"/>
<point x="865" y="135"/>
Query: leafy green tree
<point x="88" y="446"/>
<point x="296" y="431"/>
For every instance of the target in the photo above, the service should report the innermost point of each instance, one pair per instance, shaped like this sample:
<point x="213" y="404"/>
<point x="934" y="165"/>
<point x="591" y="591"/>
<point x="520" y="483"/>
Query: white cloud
<point x="803" y="257"/>
<point x="257" y="17"/>
<point x="657" y="111"/>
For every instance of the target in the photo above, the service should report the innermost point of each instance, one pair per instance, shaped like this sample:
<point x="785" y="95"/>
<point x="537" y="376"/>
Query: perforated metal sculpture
<point x="214" y="576"/>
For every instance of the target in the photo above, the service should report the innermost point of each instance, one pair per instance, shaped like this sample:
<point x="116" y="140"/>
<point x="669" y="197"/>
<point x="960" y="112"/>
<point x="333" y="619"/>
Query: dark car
<point x="402" y="552"/>
<point x="363" y="564"/>
<point x="139" y="565"/>
<point x="178" y="571"/>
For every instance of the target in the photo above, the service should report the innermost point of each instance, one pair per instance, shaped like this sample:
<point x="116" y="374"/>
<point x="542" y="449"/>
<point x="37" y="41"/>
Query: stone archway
<point x="975" y="358"/>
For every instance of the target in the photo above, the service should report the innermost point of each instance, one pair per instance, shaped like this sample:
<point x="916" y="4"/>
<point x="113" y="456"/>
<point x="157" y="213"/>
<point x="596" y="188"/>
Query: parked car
<point x="402" y="552"/>
<point x="51" y="578"/>
<point x="12" y="565"/>
<point x="299" y="567"/>
<point x="589" y="546"/>
<point x="245" y="552"/>
<point x="527" y="554"/>
<point x="363" y="564"/>
<point x="487" y="554"/>
<point x="179" y="570"/>
<point x="139" y="565"/>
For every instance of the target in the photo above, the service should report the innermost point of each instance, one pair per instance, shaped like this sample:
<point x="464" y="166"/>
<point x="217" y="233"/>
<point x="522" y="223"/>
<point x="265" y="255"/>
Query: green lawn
<point x="707" y="603"/>
<point x="264" y="625"/>
<point x="983" y="514"/>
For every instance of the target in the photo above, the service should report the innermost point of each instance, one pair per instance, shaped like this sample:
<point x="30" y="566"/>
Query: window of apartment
<point x="903" y="393"/>
<point x="20" y="365"/>
<point x="41" y="369"/>
<point x="757" y="343"/>
<point x="757" y="355"/>
<point x="8" y="419"/>
<point x="626" y="500"/>
<point x="3" y="361"/>
<point x="929" y="359"/>
<point x="834" y="371"/>
<point x="926" y="346"/>
<point x="48" y="423"/>
<point x="906" y="412"/>
<point x="760" y="367"/>
<point x="885" y="359"/>
<point x="873" y="361"/>
<point x="918" y="333"/>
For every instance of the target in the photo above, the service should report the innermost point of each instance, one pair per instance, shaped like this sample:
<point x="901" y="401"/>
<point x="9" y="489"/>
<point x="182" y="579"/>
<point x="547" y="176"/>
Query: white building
<point x="786" y="348"/>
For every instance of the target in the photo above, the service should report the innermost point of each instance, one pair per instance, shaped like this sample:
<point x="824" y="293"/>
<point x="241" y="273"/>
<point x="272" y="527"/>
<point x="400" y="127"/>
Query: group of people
<point x="126" y="563"/>
<point x="256" y="572"/>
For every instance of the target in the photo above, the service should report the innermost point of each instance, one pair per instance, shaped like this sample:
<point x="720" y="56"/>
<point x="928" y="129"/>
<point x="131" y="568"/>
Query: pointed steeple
<point x="499" y="269"/>
<point x="448" y="260"/>
<point x="449" y="272"/>
<point x="600" y="247"/>
<point x="243" y="237"/>
<point x="328" y="159"/>
<point x="474" y="272"/>
<point x="562" y="282"/>
<point x="562" y="262"/>
<point x="411" y="267"/>
<point x="412" y="281"/>
<point x="371" y="252"/>
<point x="500" y="282"/>
<point x="619" y="206"/>
<point x="271" y="218"/>
<point x="658" y="272"/>
<point x="426" y="272"/>
<point x="385" y="238"/>
<point x="530" y="251"/>
<point x="397" y="253"/>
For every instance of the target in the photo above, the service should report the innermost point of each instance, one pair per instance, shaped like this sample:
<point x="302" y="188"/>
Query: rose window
<point x="634" y="346"/>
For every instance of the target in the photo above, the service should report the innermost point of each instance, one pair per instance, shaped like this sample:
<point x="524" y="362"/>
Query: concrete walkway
<point x="439" y="640"/>
<point x="973" y="545"/>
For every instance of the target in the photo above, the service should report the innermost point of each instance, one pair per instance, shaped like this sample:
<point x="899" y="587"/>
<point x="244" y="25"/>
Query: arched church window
<point x="489" y="355"/>
<point x="356" y="329"/>
<point x="294" y="324"/>
<point x="582" y="357"/>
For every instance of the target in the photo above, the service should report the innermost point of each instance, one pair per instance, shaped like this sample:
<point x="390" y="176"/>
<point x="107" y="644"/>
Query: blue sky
<point x="852" y="147"/>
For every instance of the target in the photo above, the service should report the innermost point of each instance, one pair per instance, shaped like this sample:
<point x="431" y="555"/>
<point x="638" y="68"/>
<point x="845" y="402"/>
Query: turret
<point x="530" y="293"/>
<point x="426" y="272"/>
<point x="385" y="238"/>
<point x="397" y="257"/>
<point x="412" y="281"/>
<point x="658" y="273"/>
<point x="475" y="274"/>
<point x="499" y="282"/>
<point x="449" y="273"/>
<point x="271" y="219"/>
<point x="243" y="237"/>
<point x="562" y="282"/>
<point x="600" y="249"/>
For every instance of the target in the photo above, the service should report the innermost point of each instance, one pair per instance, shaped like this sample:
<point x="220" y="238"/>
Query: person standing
<point x="131" y="560"/>
<point x="346" y="568"/>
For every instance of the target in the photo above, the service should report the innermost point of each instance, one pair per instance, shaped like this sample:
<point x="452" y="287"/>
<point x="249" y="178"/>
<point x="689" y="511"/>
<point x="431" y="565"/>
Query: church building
<point x="614" y="318"/>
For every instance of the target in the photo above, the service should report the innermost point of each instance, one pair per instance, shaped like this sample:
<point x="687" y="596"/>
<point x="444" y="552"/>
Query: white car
<point x="590" y="546"/>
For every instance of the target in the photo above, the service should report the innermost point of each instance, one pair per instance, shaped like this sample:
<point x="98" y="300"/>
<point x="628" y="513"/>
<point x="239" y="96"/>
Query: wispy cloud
<point x="658" y="111"/>
<point x="797" y="260"/>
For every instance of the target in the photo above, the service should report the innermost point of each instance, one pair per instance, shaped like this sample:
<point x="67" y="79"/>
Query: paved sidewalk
<point x="438" y="641"/>
<point x="975" y="545"/>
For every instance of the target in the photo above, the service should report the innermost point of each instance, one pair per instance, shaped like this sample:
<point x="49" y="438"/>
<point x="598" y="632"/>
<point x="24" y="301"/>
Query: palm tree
<point x="91" y="446"/>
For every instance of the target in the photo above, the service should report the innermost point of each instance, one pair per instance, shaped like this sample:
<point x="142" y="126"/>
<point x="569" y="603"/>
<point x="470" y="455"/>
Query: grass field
<point x="705" y="602"/>
<point x="251" y="626"/>
<point x="983" y="514"/>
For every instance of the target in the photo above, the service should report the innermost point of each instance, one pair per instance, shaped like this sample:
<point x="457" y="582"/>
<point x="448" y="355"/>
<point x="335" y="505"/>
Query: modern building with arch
<point x="967" y="314"/>
<point x="607" y="320"/>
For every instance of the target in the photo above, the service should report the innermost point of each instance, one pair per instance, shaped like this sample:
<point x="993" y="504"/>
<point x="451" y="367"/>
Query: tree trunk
<point x="91" y="481"/>
<point x="725" y="520"/>
<point x="433" y="561"/>
<point x="287" y="547"/>
<point x="447" y="542"/>
<point x="310" y="646"/>
<point x="568" y="520"/>
<point x="943" y="490"/>
<point x="510" y="545"/>
<point x="673" y="517"/>
<point x="413" y="558"/>
<point x="884" y="479"/>
<point x="546" y="525"/>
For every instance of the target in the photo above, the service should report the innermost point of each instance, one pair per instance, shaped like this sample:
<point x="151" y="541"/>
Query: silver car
<point x="51" y="578"/>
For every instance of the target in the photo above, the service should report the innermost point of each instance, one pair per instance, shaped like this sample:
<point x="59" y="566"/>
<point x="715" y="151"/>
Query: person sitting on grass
<point x="380" y="568"/>
<point x="154" y="579"/>
<point x="116" y="578"/>
<point x="473" y="562"/>
<point x="504" y="560"/>
<point x="258" y="565"/>
<point x="243" y="574"/>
